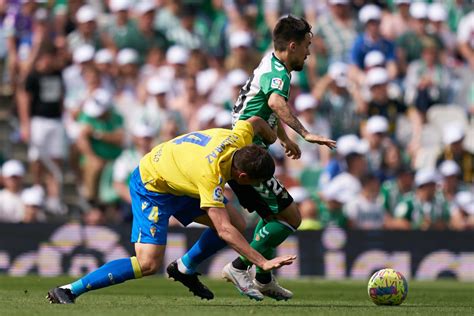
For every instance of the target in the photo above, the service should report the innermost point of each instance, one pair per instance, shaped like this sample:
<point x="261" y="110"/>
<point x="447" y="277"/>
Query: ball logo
<point x="218" y="194"/>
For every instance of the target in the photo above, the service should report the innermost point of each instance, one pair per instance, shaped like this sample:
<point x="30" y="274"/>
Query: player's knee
<point x="148" y="266"/>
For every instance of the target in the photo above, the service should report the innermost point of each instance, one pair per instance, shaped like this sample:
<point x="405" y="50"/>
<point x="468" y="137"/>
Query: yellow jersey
<point x="197" y="164"/>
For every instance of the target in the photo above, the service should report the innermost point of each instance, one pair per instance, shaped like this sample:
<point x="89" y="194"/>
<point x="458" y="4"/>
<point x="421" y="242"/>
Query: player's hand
<point x="278" y="262"/>
<point x="320" y="140"/>
<point x="292" y="150"/>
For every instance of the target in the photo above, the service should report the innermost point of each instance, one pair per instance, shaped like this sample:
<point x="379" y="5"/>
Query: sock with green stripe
<point x="111" y="273"/>
<point x="266" y="238"/>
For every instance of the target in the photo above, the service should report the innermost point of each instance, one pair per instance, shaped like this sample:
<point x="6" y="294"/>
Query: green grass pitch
<point x="160" y="296"/>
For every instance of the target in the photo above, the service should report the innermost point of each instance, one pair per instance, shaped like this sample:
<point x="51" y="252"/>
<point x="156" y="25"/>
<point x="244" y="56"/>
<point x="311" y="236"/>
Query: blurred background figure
<point x="11" y="206"/>
<point x="462" y="214"/>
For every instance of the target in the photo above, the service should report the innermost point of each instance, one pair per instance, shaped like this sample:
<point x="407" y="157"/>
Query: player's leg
<point x="149" y="230"/>
<point x="280" y="219"/>
<point x="184" y="269"/>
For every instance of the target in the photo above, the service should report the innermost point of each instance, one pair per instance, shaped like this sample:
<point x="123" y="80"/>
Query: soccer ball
<point x="387" y="287"/>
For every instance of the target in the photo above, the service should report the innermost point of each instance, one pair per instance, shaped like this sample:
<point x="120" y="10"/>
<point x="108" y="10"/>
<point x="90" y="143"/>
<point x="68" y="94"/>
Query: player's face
<point x="300" y="53"/>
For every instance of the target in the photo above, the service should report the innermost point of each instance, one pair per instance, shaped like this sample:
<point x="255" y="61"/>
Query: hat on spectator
<point x="377" y="76"/>
<point x="207" y="113"/>
<point x="104" y="56"/>
<point x="223" y="118"/>
<point x="349" y="144"/>
<point x="157" y="85"/>
<point x="237" y="77"/>
<point x="425" y="176"/>
<point x="374" y="58"/>
<point x="370" y="12"/>
<point x="98" y="103"/>
<point x="338" y="1"/>
<point x="33" y="196"/>
<point x="419" y="10"/>
<point x="119" y="5"/>
<point x="127" y="56"/>
<point x="437" y="12"/>
<point x="338" y="72"/>
<point x="85" y="14"/>
<point x="177" y="55"/>
<point x="41" y="15"/>
<point x="240" y="39"/>
<point x="13" y="168"/>
<point x="377" y="124"/>
<point x="144" y="130"/>
<point x="449" y="168"/>
<point x="452" y="133"/>
<point x="465" y="201"/>
<point x="83" y="54"/>
<point x="305" y="101"/>
<point x="145" y="6"/>
<point x="299" y="194"/>
<point x="397" y="2"/>
<point x="337" y="190"/>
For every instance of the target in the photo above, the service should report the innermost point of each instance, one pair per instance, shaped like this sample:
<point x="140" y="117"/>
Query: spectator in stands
<point x="428" y="81"/>
<point x="346" y="145"/>
<point x="356" y="168"/>
<point x="104" y="63"/>
<point x="147" y="36"/>
<point x="339" y="101"/>
<point x="242" y="55"/>
<point x="437" y="16"/>
<point x="40" y="110"/>
<point x="409" y="44"/>
<point x="94" y="215"/>
<point x="466" y="39"/>
<point x="330" y="205"/>
<point x="337" y="30"/>
<point x="462" y="213"/>
<point x="122" y="32"/>
<point x="307" y="209"/>
<point x="33" y="199"/>
<point x="422" y="210"/>
<point x="370" y="40"/>
<point x="394" y="190"/>
<point x="450" y="184"/>
<point x="188" y="102"/>
<point x="395" y="24"/>
<point x="19" y="32"/>
<point x="176" y="71"/>
<point x="235" y="79"/>
<point x="366" y="210"/>
<point x="100" y="140"/>
<point x="375" y="134"/>
<point x="128" y="160"/>
<point x="453" y="137"/>
<point x="306" y="107"/>
<point x="11" y="206"/>
<point x="86" y="32"/>
<point x="393" y="158"/>
<point x="381" y="103"/>
<point x="5" y="87"/>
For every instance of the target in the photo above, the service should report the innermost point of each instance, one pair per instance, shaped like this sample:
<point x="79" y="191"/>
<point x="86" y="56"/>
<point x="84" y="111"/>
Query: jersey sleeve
<point x="245" y="130"/>
<point x="211" y="193"/>
<point x="276" y="82"/>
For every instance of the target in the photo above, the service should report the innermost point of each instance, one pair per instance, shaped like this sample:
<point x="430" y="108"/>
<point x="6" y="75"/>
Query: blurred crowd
<point x="96" y="84"/>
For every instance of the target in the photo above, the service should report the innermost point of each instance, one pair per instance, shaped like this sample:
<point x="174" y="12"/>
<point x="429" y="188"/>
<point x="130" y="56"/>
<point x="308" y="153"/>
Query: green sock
<point x="267" y="237"/>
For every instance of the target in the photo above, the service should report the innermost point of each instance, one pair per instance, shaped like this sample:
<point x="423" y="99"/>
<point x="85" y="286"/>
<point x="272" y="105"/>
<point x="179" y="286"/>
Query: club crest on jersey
<point x="277" y="83"/>
<point x="218" y="195"/>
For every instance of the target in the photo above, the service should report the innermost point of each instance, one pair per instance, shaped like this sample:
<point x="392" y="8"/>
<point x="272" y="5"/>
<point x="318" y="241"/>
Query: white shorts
<point x="47" y="139"/>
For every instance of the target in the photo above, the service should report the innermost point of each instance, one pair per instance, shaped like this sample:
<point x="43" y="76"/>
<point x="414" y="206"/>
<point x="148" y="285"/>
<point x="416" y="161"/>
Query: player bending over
<point x="185" y="178"/>
<point x="265" y="94"/>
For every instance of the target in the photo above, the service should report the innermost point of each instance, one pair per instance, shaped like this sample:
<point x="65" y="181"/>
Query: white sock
<point x="181" y="267"/>
<point x="66" y="286"/>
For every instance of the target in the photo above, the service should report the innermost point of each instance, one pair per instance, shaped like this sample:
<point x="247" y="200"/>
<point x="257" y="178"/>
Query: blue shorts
<point x="152" y="210"/>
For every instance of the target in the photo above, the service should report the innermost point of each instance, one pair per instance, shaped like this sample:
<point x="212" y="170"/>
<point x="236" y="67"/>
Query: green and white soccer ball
<point x="387" y="287"/>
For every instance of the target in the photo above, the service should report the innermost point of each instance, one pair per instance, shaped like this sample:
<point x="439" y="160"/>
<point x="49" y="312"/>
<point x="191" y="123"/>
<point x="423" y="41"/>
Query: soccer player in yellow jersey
<point x="185" y="178"/>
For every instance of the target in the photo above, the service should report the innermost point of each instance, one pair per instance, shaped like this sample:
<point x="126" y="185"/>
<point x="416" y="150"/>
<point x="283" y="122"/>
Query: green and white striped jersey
<point x="271" y="76"/>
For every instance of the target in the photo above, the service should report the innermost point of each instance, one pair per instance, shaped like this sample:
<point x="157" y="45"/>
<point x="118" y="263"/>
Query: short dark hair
<point x="255" y="161"/>
<point x="289" y="29"/>
<point x="368" y="178"/>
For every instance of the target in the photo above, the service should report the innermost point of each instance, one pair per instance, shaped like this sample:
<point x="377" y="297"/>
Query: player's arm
<point x="261" y="128"/>
<point x="278" y="104"/>
<point x="234" y="239"/>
